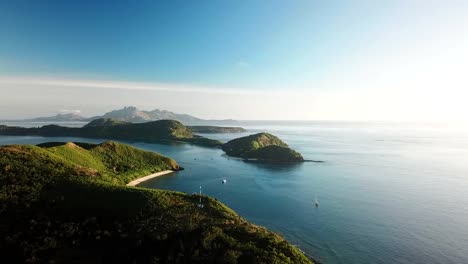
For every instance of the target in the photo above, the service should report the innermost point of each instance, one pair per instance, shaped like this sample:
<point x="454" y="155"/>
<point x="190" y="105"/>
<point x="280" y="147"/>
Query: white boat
<point x="224" y="181"/>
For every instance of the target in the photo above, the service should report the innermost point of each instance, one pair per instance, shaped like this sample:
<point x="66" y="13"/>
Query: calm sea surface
<point x="389" y="193"/>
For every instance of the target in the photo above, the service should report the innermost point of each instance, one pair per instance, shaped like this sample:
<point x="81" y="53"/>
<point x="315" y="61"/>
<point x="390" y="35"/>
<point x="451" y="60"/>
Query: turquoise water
<point x="389" y="193"/>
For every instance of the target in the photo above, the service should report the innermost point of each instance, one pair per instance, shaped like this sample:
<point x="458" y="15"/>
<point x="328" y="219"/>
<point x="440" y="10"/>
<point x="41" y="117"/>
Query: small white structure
<point x="200" y="203"/>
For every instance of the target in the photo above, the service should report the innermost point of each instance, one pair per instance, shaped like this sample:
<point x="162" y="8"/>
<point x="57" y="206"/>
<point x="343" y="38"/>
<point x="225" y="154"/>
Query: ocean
<point x="388" y="192"/>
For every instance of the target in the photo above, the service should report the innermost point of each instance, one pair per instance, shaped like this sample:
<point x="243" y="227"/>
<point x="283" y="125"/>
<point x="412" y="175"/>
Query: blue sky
<point x="324" y="50"/>
<point x="238" y="43"/>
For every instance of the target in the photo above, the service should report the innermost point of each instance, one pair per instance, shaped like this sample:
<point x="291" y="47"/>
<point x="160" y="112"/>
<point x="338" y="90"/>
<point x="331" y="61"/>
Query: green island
<point x="216" y="129"/>
<point x="151" y="132"/>
<point x="68" y="203"/>
<point x="263" y="147"/>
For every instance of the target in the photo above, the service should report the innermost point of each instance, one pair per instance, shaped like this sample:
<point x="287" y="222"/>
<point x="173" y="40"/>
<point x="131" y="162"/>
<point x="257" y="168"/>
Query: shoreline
<point x="151" y="176"/>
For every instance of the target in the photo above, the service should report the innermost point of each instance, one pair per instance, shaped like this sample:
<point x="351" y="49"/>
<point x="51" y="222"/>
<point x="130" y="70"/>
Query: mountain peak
<point x="130" y="108"/>
<point x="134" y="115"/>
<point x="128" y="114"/>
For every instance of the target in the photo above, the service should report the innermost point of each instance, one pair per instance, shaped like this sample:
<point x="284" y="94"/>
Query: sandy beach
<point x="154" y="175"/>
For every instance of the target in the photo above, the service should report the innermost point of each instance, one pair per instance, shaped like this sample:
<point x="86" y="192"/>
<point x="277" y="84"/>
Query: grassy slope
<point x="68" y="203"/>
<point x="115" y="162"/>
<point x="262" y="146"/>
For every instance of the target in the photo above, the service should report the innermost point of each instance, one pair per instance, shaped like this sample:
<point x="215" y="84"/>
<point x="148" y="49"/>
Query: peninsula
<point x="69" y="203"/>
<point x="194" y="129"/>
<point x="216" y="129"/>
<point x="151" y="132"/>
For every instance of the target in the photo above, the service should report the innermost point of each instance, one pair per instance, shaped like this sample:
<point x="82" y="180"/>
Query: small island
<point x="69" y="203"/>
<point x="150" y="132"/>
<point x="263" y="147"/>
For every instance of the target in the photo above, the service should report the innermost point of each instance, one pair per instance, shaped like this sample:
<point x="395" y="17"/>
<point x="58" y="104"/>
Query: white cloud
<point x="73" y="111"/>
<point x="27" y="96"/>
<point x="112" y="84"/>
<point x="395" y="100"/>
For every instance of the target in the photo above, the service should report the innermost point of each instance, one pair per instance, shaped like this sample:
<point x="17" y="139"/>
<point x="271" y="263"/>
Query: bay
<point x="388" y="192"/>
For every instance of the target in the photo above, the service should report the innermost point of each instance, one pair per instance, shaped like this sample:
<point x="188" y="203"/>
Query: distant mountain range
<point x="129" y="114"/>
<point x="134" y="115"/>
<point x="70" y="117"/>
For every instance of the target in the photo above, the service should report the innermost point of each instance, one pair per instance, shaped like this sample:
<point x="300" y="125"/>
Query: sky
<point x="261" y="60"/>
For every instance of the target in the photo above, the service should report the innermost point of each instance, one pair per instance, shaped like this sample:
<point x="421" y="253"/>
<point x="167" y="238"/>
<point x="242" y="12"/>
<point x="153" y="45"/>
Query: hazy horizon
<point x="301" y="60"/>
<point x="327" y="132"/>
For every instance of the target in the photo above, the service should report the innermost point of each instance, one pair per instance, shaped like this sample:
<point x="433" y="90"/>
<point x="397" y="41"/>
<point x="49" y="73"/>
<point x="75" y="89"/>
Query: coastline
<point x="154" y="175"/>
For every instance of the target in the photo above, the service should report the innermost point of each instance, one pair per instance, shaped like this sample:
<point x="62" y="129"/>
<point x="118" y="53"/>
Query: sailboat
<point x="316" y="201"/>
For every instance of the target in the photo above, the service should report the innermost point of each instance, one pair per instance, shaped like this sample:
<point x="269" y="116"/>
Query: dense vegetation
<point x="156" y="131"/>
<point x="67" y="203"/>
<point x="262" y="147"/>
<point x="216" y="129"/>
<point x="106" y="122"/>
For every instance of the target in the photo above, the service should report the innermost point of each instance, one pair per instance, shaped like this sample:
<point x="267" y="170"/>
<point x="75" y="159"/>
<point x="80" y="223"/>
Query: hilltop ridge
<point x="106" y="122"/>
